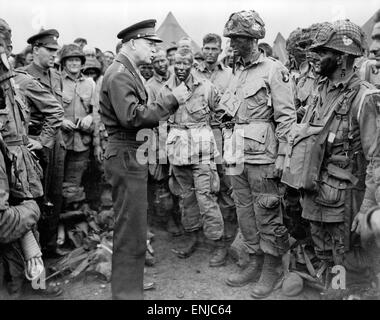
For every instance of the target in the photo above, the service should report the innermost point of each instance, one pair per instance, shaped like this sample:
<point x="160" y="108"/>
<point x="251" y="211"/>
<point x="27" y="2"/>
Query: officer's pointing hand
<point x="181" y="93"/>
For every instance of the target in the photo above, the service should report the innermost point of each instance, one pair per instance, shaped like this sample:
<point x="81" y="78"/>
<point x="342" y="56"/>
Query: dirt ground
<point x="174" y="278"/>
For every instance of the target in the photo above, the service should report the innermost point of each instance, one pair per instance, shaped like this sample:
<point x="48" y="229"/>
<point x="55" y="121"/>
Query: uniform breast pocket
<point x="256" y="94"/>
<point x="66" y="100"/>
<point x="255" y="137"/>
<point x="197" y="109"/>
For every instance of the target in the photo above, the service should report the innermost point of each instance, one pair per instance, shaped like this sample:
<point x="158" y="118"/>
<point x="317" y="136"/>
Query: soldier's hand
<point x="98" y="152"/>
<point x="34" y="145"/>
<point x="181" y="93"/>
<point x="68" y="125"/>
<point x="279" y="166"/>
<point x="356" y="223"/>
<point x="85" y="123"/>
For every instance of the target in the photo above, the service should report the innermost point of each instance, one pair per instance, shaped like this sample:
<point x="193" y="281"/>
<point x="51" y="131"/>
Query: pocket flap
<point x="110" y="152"/>
<point x="256" y="131"/>
<point x="333" y="182"/>
<point x="253" y="88"/>
<point x="195" y="106"/>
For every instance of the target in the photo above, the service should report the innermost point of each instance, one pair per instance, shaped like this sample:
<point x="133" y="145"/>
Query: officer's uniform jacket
<point x="190" y="139"/>
<point x="51" y="80"/>
<point x="44" y="109"/>
<point x="123" y="101"/>
<point x="261" y="102"/>
<point x="78" y="100"/>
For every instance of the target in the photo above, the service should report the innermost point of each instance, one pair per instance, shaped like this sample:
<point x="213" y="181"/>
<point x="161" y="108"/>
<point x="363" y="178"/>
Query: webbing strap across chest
<point x="343" y="120"/>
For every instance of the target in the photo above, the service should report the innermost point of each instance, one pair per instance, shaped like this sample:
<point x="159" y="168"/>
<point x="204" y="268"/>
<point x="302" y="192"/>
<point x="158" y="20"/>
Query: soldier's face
<point x="211" y="52"/>
<point x="146" y="71"/>
<point x="242" y="46"/>
<point x="45" y="57"/>
<point x="375" y="45"/>
<point x="108" y="58"/>
<point x="327" y="63"/>
<point x="182" y="66"/>
<point x="144" y="50"/>
<point x="161" y="63"/>
<point x="73" y="65"/>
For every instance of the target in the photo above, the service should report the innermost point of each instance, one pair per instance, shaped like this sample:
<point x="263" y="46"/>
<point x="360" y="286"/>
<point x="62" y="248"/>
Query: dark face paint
<point x="242" y="46"/>
<point x="327" y="63"/>
<point x="182" y="67"/>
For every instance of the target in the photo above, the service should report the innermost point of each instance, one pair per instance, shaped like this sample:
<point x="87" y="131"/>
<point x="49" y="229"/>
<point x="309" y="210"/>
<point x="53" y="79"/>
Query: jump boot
<point x="219" y="256"/>
<point x="269" y="276"/>
<point x="190" y="246"/>
<point x="172" y="227"/>
<point x="249" y="274"/>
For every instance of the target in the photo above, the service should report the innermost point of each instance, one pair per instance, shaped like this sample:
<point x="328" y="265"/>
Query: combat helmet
<point x="70" y="51"/>
<point x="246" y="24"/>
<point x="342" y="35"/>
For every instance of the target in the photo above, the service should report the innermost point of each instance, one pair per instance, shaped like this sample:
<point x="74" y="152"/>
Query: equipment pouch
<point x="331" y="191"/>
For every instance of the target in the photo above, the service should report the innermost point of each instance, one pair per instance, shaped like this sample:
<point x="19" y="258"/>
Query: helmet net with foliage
<point x="342" y="35"/>
<point x="246" y="24"/>
<point x="70" y="51"/>
<point x="293" y="39"/>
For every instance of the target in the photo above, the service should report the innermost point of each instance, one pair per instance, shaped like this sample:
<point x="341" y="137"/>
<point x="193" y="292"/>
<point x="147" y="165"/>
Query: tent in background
<point x="367" y="28"/>
<point x="170" y="31"/>
<point x="279" y="48"/>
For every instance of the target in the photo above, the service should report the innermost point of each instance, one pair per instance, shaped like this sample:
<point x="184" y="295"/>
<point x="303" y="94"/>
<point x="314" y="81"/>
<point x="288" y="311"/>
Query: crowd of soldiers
<point x="244" y="152"/>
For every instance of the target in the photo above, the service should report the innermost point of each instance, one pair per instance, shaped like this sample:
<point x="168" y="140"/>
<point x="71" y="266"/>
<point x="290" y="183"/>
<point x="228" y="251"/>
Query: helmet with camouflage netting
<point x="342" y="35"/>
<point x="70" y="51"/>
<point x="245" y="24"/>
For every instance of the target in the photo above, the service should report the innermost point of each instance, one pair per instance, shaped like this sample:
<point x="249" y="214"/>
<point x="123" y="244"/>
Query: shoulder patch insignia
<point x="285" y="76"/>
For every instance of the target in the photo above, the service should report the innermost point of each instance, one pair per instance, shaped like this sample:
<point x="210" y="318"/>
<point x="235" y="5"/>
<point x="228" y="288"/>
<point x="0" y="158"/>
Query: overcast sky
<point x="100" y="20"/>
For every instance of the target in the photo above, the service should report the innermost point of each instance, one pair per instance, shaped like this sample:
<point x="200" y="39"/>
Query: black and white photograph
<point x="178" y="151"/>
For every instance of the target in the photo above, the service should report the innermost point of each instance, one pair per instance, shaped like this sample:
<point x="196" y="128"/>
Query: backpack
<point x="307" y="145"/>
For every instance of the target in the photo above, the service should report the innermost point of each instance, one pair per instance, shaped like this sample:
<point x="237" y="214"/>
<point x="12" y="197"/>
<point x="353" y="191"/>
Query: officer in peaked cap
<point x="46" y="38"/>
<point x="45" y="49"/>
<point x="124" y="111"/>
<point x="143" y="29"/>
